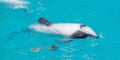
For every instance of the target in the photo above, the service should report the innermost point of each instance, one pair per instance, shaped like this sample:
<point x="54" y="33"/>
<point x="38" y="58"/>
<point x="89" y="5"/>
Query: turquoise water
<point x="16" y="40"/>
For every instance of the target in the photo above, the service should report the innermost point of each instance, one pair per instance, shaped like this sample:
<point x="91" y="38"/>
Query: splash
<point x="16" y="4"/>
<point x="37" y="8"/>
<point x="41" y="6"/>
<point x="101" y="35"/>
<point x="96" y="42"/>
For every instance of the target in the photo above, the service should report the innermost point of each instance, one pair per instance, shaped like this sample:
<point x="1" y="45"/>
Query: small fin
<point x="44" y="21"/>
<point x="64" y="40"/>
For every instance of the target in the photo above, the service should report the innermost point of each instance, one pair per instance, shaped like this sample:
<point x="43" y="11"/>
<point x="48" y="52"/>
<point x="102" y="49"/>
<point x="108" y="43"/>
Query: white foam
<point x="15" y="4"/>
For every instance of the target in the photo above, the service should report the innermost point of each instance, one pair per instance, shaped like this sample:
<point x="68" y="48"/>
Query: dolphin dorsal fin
<point x="44" y="21"/>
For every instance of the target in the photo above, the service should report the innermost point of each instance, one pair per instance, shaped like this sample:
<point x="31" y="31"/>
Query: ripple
<point x="68" y="49"/>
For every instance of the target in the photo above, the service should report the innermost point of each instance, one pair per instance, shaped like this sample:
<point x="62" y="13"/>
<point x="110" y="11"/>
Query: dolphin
<point x="70" y="30"/>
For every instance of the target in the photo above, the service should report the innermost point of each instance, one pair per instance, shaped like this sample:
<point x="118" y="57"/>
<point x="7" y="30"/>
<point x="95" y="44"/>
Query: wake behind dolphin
<point x="70" y="30"/>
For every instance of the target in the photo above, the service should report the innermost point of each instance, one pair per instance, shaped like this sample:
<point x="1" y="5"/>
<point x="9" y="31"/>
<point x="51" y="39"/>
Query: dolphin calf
<point x="70" y="30"/>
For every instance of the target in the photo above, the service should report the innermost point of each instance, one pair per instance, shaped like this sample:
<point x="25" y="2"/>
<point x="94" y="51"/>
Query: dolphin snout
<point x="97" y="37"/>
<point x="94" y="36"/>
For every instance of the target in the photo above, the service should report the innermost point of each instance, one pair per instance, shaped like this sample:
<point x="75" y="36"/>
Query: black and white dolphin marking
<point x="71" y="30"/>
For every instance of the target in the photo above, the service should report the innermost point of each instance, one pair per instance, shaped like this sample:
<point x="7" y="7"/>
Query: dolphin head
<point x="86" y="29"/>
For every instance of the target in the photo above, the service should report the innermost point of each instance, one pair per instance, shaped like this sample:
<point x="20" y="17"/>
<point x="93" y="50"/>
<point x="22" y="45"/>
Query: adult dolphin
<point x="71" y="30"/>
